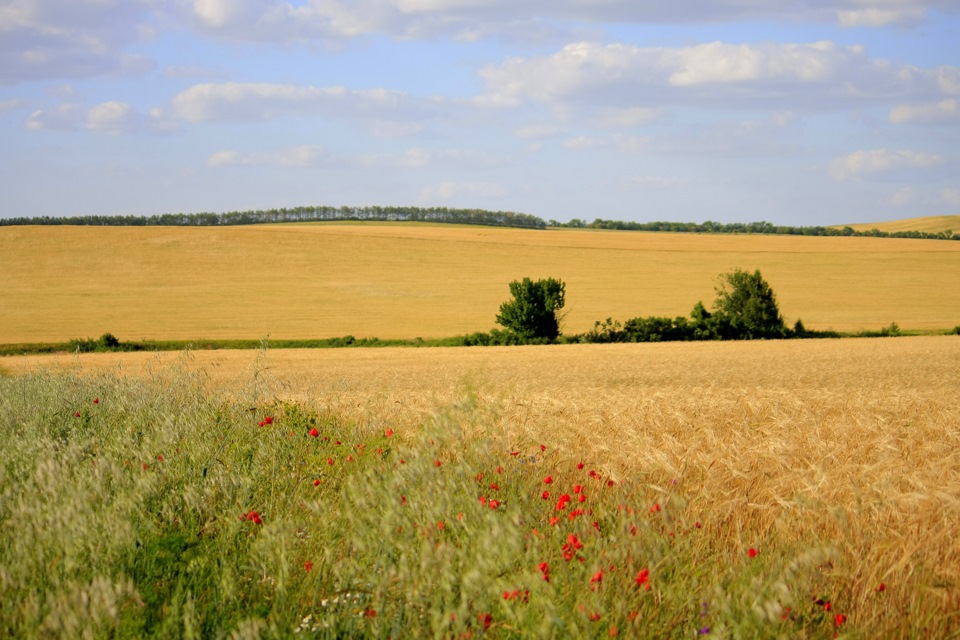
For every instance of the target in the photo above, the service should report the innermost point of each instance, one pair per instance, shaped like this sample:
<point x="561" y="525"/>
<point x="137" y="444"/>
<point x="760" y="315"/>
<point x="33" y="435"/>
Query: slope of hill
<point x="402" y="281"/>
<point x="931" y="224"/>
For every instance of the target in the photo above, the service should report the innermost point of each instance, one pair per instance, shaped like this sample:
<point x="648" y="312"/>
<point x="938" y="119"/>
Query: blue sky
<point x="796" y="112"/>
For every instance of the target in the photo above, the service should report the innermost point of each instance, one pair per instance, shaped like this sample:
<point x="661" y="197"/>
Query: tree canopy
<point x="532" y="313"/>
<point x="747" y="306"/>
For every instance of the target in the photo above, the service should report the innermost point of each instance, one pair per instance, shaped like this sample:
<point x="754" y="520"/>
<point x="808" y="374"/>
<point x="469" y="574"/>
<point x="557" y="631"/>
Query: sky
<point x="797" y="112"/>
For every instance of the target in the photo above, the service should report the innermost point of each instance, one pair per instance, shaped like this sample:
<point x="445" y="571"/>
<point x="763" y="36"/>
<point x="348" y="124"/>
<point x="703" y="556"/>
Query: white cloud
<point x="721" y="63"/>
<point x="297" y="156"/>
<point x="942" y="112"/>
<point x="266" y="101"/>
<point x="627" y="117"/>
<point x="814" y="76"/>
<point x="64" y="117"/>
<point x="531" y="20"/>
<point x="877" y="17"/>
<point x="446" y="191"/>
<point x="860" y="164"/>
<point x="44" y="39"/>
<point x="111" y="117"/>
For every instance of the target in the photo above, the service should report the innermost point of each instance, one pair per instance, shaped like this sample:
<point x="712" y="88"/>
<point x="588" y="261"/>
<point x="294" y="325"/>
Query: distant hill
<point x="930" y="224"/>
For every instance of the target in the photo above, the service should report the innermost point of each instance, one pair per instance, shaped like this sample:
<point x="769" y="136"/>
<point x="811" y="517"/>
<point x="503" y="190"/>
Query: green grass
<point x="127" y="511"/>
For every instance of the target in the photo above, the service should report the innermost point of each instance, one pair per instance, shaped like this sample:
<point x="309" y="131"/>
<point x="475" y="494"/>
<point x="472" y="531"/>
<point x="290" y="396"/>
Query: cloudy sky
<point x="794" y="111"/>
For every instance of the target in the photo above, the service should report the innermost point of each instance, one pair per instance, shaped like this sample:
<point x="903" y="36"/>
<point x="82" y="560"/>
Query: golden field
<point x="929" y="224"/>
<point x="403" y="280"/>
<point x="848" y="447"/>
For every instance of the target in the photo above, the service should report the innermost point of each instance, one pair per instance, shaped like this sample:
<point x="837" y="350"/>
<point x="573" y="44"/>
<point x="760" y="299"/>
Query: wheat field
<point x="839" y="453"/>
<point x="405" y="281"/>
<point x="930" y="224"/>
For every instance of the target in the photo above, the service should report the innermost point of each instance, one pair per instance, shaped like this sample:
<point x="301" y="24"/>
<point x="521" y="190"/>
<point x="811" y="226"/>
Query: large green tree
<point x="746" y="307"/>
<point x="532" y="313"/>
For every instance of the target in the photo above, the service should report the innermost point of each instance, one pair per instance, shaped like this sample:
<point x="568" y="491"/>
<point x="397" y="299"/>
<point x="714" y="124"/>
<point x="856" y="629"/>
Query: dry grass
<point x="850" y="445"/>
<point x="403" y="281"/>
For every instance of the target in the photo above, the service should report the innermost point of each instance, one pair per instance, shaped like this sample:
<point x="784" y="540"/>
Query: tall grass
<point x="150" y="507"/>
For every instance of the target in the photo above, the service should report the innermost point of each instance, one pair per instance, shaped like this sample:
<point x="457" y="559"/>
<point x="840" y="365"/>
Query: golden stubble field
<point x="405" y="280"/>
<point x="850" y="448"/>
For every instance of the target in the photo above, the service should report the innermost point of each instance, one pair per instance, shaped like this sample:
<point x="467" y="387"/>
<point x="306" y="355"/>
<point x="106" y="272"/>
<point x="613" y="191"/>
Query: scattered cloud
<point x="942" y="112"/>
<point x="111" y="118"/>
<point x="880" y="17"/>
<point x="446" y="191"/>
<point x="266" y="101"/>
<point x="297" y="156"/>
<point x="639" y="82"/>
<point x="861" y="164"/>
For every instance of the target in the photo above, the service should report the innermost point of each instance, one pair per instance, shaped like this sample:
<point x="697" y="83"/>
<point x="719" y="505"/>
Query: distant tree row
<point x="749" y="227"/>
<point x="453" y="216"/>
<point x="299" y="214"/>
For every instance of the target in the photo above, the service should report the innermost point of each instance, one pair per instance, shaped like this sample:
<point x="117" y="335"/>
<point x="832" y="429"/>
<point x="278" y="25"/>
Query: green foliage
<point x="106" y="342"/>
<point x="532" y="314"/>
<point x="956" y="330"/>
<point x="748" y="305"/>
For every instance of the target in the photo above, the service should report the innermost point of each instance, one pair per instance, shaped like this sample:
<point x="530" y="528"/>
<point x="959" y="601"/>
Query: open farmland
<point x="404" y="281"/>
<point x="929" y="224"/>
<point x="835" y="461"/>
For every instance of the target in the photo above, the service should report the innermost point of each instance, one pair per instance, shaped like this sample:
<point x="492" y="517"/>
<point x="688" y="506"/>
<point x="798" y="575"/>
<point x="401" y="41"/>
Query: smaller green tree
<point x="532" y="314"/>
<point x="748" y="307"/>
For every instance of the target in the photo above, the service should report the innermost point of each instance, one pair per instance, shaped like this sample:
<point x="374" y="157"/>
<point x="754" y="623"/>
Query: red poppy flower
<point x="493" y="504"/>
<point x="494" y="487"/>
<point x="314" y="433"/>
<point x="437" y="463"/>
<point x="543" y="447"/>
<point x="486" y="620"/>
<point x="371" y="613"/>
<point x="545" y="495"/>
<point x="554" y="521"/>
<point x="441" y="525"/>
<point x="316" y="482"/>
<point x="330" y="461"/>
<point x="839" y="619"/>
<point x="597" y="577"/>
<point x="752" y="552"/>
<point x="96" y="401"/>
<point x="655" y="508"/>
<point x="882" y="587"/>
<point x="388" y="432"/>
<point x="160" y="457"/>
<point x="577" y="488"/>
<point x="268" y="420"/>
<point x="643" y="578"/>
<point x="548" y="480"/>
<point x="581" y="498"/>
<point x="579" y="465"/>
<point x="307" y="566"/>
<point x="76" y="415"/>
